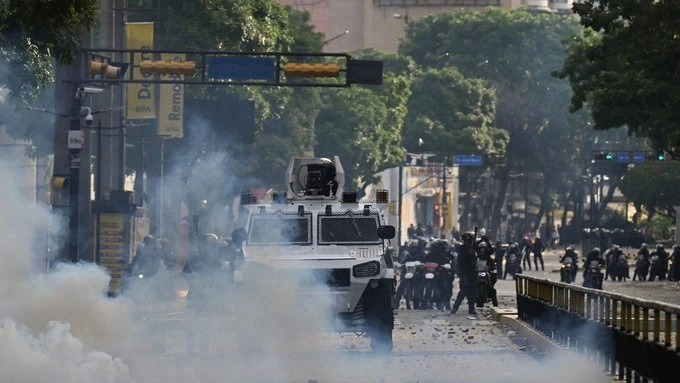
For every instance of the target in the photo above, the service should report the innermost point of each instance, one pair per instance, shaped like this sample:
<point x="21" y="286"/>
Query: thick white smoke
<point x="51" y="325"/>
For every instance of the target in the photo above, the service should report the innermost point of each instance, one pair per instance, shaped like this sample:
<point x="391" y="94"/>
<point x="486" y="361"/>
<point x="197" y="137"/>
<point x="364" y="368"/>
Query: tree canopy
<point x="32" y="32"/>
<point x="514" y="53"/>
<point x="659" y="195"/>
<point x="452" y="115"/>
<point x="625" y="67"/>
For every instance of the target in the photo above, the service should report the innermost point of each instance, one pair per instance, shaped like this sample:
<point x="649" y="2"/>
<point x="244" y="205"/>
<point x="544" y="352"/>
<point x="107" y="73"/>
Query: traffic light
<point x="656" y="157"/>
<point x="604" y="157"/>
<point x="107" y="70"/>
<point x="187" y="68"/>
<point x="311" y="70"/>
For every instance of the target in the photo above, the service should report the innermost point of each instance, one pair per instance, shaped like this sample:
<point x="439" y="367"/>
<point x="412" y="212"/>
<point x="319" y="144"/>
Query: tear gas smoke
<point x="60" y="327"/>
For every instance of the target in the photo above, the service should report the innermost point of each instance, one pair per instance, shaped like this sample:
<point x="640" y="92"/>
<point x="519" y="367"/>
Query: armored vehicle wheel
<point x="380" y="317"/>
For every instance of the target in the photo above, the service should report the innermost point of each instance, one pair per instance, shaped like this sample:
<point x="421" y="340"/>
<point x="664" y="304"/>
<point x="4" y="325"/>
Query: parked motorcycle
<point x="593" y="277"/>
<point x="568" y="270"/>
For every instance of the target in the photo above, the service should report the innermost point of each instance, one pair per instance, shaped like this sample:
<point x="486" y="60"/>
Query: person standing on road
<point x="675" y="257"/>
<point x="526" y="253"/>
<point x="500" y="254"/>
<point x="466" y="268"/>
<point x="538" y="249"/>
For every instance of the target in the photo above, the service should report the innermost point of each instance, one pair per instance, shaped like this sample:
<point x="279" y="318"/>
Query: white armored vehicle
<point x="316" y="228"/>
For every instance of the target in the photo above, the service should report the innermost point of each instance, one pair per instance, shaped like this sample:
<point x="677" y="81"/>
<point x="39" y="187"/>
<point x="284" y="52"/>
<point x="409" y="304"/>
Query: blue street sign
<point x="638" y="157"/>
<point x="622" y="157"/>
<point x="239" y="68"/>
<point x="468" y="160"/>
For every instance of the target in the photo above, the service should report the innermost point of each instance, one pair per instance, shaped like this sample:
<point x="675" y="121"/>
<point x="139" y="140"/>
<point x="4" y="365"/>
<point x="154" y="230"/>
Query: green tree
<point x="625" y="67"/>
<point x="452" y="115"/>
<point x="515" y="52"/>
<point x="658" y="196"/>
<point x="353" y="125"/>
<point x="32" y="32"/>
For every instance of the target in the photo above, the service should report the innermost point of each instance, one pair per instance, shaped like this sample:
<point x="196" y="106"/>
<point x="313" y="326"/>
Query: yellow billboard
<point x="141" y="103"/>
<point x="171" y="102"/>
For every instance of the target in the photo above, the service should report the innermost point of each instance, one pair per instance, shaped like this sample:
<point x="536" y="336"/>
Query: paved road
<point x="429" y="346"/>
<point x="668" y="292"/>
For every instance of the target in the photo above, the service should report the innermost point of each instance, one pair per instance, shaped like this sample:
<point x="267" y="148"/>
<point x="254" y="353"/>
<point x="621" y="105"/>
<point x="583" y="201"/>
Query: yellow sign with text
<point x="112" y="248"/>
<point x="171" y="102"/>
<point x="141" y="103"/>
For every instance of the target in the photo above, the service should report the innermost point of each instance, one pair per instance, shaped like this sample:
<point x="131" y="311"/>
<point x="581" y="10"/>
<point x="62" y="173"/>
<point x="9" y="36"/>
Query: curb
<point x="509" y="317"/>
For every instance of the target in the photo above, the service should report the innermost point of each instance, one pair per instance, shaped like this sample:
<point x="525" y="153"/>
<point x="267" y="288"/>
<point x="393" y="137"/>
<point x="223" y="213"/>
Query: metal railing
<point x="636" y="339"/>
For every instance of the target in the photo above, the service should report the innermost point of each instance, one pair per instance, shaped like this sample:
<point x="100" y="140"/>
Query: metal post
<point x="75" y="142"/>
<point x="445" y="209"/>
<point x="98" y="192"/>
<point x="121" y="156"/>
<point x="400" y="200"/>
<point x="526" y="202"/>
<point x="161" y="191"/>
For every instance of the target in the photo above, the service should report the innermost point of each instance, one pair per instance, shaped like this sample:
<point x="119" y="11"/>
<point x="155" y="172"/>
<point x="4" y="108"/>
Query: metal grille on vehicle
<point x="317" y="277"/>
<point x="348" y="229"/>
<point x="289" y="228"/>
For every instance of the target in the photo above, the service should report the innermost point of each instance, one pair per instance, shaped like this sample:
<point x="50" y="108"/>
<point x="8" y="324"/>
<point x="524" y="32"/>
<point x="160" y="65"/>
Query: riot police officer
<point x="466" y="269"/>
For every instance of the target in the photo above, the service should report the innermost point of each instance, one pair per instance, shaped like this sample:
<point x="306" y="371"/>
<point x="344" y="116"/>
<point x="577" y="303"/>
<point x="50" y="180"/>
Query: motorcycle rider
<point x="466" y="267"/>
<point x="483" y="253"/>
<point x="409" y="254"/>
<point x="441" y="254"/>
<point x="149" y="259"/>
<point x="663" y="259"/>
<point x="570" y="252"/>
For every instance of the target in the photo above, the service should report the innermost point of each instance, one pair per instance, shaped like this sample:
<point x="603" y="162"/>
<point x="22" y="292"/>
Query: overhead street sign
<point x="467" y="160"/>
<point x="638" y="157"/>
<point x="241" y="68"/>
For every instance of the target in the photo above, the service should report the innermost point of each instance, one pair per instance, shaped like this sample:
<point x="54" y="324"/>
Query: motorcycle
<point x="483" y="282"/>
<point x="641" y="269"/>
<point x="431" y="292"/>
<point x="445" y="286"/>
<point x="621" y="270"/>
<point x="406" y="282"/>
<point x="655" y="269"/>
<point x="567" y="272"/>
<point x="593" y="278"/>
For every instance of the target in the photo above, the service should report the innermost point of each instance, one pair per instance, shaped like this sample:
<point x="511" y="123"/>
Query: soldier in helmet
<point x="466" y="269"/>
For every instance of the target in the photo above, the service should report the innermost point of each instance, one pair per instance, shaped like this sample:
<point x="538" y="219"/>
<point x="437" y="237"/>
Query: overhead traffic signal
<point x="186" y="68"/>
<point x="109" y="70"/>
<point x="604" y="157"/>
<point x="311" y="70"/>
<point x="656" y="157"/>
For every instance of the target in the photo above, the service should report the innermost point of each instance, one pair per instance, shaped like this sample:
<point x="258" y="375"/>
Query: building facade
<point x="350" y="25"/>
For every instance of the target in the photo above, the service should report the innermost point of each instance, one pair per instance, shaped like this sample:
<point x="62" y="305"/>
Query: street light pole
<point x="526" y="201"/>
<point x="445" y="208"/>
<point x="400" y="201"/>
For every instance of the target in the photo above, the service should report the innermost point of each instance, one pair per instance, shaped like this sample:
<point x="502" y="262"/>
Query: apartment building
<point x="351" y="25"/>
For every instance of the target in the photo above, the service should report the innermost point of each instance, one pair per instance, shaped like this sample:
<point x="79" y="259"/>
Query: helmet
<point x="148" y="239"/>
<point x="482" y="232"/>
<point x="211" y="238"/>
<point x="483" y="245"/>
<point x="570" y="248"/>
<point x="659" y="247"/>
<point x="467" y="237"/>
<point x="596" y="250"/>
<point x="643" y="246"/>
